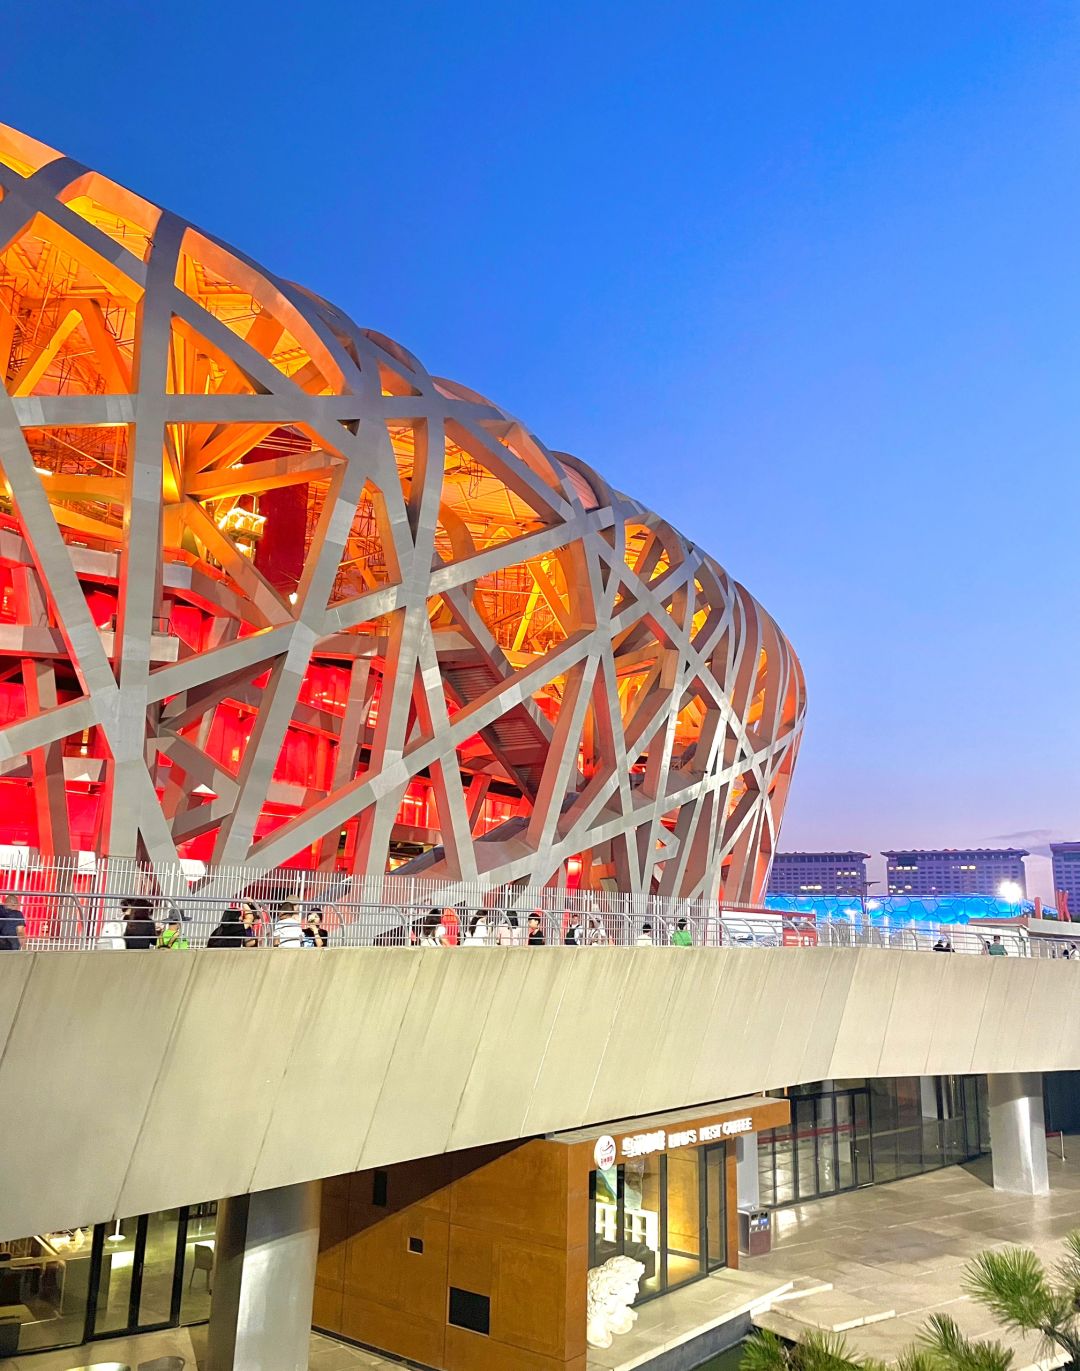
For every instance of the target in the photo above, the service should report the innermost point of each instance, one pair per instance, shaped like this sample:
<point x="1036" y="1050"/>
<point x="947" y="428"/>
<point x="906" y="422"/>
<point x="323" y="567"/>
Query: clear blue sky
<point x="803" y="276"/>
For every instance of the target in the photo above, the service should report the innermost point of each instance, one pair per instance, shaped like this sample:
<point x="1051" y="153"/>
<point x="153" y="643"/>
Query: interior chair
<point x="204" y="1261"/>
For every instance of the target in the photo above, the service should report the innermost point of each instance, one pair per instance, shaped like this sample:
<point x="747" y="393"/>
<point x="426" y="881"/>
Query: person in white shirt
<point x="644" y="938"/>
<point x="479" y="933"/>
<point x="597" y="933"/>
<point x="510" y="932"/>
<point x="289" y="931"/>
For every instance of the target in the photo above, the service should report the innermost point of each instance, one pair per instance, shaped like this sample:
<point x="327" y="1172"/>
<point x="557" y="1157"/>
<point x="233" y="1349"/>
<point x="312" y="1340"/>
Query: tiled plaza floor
<point x="904" y="1247"/>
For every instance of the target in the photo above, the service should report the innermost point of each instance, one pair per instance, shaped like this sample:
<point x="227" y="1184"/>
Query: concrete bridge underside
<point x="140" y="1083"/>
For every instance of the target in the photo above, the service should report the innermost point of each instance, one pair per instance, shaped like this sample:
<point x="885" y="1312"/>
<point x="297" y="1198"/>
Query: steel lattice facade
<point x="271" y="592"/>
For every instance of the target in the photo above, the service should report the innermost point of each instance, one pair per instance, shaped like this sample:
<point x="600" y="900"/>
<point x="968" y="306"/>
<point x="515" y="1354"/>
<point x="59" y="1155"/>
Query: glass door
<point x="138" y="1265"/>
<point x="159" y="1270"/>
<point x="683" y="1257"/>
<point x="845" y="1141"/>
<point x="825" y="1145"/>
<point x="806" y="1178"/>
<point x="862" y="1145"/>
<point x="715" y="1207"/>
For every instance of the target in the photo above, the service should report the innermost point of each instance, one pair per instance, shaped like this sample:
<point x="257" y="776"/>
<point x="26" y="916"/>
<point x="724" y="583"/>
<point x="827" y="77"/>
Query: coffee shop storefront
<point x="480" y="1259"/>
<point x="662" y="1189"/>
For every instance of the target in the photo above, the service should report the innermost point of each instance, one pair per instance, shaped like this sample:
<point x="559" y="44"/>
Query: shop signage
<point x="604" y="1152"/>
<point x="661" y="1140"/>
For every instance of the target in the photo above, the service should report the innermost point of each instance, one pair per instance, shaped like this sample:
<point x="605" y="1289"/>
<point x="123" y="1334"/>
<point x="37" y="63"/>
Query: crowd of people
<point x="248" y="925"/>
<point x="141" y="925"/>
<point x="454" y="927"/>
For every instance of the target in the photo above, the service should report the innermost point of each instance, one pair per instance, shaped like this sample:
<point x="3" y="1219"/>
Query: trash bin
<point x="755" y="1232"/>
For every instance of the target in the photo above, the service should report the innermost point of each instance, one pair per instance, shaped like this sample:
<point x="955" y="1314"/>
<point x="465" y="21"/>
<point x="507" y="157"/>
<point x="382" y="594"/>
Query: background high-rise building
<point x="1066" y="860"/>
<point x="818" y="873"/>
<point x="954" y="870"/>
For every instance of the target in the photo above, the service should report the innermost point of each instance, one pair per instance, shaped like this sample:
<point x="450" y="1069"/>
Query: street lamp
<point x="865" y="901"/>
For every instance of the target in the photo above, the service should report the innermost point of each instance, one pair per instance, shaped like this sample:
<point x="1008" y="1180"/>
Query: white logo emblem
<point x="604" y="1152"/>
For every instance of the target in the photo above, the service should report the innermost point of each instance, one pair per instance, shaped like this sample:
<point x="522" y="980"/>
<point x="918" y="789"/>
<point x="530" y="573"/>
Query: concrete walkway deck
<point x="896" y="1253"/>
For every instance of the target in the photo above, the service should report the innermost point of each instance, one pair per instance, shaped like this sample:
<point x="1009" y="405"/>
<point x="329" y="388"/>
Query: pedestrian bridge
<point x="140" y="1083"/>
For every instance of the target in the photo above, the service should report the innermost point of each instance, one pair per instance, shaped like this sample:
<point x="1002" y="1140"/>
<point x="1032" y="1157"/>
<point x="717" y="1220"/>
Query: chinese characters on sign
<point x="660" y="1140"/>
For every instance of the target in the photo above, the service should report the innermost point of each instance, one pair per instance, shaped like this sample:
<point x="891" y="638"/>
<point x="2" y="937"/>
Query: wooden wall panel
<point x="505" y="1222"/>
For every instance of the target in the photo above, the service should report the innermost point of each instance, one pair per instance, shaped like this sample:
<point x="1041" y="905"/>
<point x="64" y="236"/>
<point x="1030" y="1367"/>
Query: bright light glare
<point x="1010" y="890"/>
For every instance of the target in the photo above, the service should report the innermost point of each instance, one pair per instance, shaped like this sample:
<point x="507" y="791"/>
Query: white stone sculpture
<point x="612" y="1289"/>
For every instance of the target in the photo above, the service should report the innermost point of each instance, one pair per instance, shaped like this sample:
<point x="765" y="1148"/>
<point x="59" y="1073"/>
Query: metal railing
<point x="79" y="904"/>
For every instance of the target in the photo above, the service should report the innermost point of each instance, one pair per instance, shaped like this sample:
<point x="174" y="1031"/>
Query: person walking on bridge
<point x="682" y="937"/>
<point x="12" y="925"/>
<point x="140" y="931"/>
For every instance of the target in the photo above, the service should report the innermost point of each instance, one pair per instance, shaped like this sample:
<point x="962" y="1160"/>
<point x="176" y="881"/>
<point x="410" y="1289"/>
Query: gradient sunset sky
<point x="801" y="276"/>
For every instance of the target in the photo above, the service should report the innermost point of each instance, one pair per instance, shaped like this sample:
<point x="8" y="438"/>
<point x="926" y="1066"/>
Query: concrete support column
<point x="1018" y="1132"/>
<point x="747" y="1189"/>
<point x="264" y="1279"/>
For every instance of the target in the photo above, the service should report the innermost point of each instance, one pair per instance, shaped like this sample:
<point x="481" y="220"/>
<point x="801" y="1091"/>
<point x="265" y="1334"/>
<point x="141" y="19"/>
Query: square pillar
<point x="265" y="1252"/>
<point x="747" y="1182"/>
<point x="1018" y="1132"/>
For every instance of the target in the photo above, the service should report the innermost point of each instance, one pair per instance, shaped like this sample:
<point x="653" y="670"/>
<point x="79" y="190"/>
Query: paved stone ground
<point x="904" y="1246"/>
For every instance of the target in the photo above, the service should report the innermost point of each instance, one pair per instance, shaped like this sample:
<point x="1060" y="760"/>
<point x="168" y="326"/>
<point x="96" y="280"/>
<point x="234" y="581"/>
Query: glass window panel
<point x="117" y="1268"/>
<point x="909" y="1151"/>
<point x="198" y="1257"/>
<point x="158" y="1268"/>
<point x="683" y="1227"/>
<point x="909" y="1110"/>
<point x="641" y="1220"/>
<point x="933" y="1144"/>
<point x="785" y="1173"/>
<point x="766" y="1157"/>
<point x="805" y="1150"/>
<point x="953" y="1141"/>
<point x="845" y="1139"/>
<point x="607" y="1230"/>
<point x="826" y="1146"/>
<point x="716" y="1205"/>
<point x="883" y="1109"/>
<point x="864" y="1152"/>
<point x="45" y="1283"/>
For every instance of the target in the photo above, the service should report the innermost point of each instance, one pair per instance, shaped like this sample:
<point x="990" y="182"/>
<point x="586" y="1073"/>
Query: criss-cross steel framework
<point x="271" y="591"/>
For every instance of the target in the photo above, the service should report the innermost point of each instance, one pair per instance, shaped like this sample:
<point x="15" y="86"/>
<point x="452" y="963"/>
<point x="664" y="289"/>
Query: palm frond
<point x="824" y="1351"/>
<point x="764" y="1351"/>
<point x="942" y="1337"/>
<point x="945" y="1346"/>
<point x="917" y="1359"/>
<point x="1068" y="1268"/>
<point x="1013" y="1285"/>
